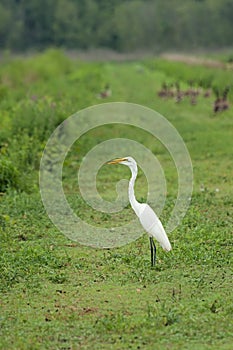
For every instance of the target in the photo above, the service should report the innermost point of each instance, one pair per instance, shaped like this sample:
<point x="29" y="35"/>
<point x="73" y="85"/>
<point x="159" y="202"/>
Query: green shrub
<point x="50" y="64"/>
<point x="9" y="175"/>
<point x="20" y="157"/>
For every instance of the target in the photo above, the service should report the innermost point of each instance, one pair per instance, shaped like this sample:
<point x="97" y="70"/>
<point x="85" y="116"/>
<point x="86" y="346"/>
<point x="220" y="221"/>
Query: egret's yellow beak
<point x="116" y="161"/>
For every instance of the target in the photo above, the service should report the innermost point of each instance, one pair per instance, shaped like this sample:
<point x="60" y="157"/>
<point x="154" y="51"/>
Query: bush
<point x="20" y="157"/>
<point x="9" y="175"/>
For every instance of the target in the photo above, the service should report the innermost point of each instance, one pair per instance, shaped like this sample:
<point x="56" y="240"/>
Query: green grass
<point x="57" y="294"/>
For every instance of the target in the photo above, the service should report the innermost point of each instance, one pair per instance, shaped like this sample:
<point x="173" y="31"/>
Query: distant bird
<point x="205" y="88"/>
<point x="193" y="100"/>
<point x="107" y="92"/>
<point x="225" y="103"/>
<point x="179" y="93"/>
<point x="221" y="103"/>
<point x="163" y="91"/>
<point x="166" y="91"/>
<point x="144" y="212"/>
<point x="207" y="93"/>
<point x="190" y="91"/>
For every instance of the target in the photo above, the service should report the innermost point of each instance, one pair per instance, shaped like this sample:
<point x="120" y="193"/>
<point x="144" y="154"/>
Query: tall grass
<point x="217" y="78"/>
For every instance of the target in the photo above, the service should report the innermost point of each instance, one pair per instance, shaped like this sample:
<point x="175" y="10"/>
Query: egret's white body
<point x="145" y="213"/>
<point x="153" y="226"/>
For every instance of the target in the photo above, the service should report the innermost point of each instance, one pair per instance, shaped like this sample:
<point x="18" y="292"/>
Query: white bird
<point x="144" y="212"/>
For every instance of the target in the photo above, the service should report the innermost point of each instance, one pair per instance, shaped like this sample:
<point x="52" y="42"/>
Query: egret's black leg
<point x="154" y="262"/>
<point x="153" y="251"/>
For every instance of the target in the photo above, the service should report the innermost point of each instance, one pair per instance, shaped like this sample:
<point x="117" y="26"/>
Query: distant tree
<point x="38" y="17"/>
<point x="117" y="24"/>
<point x="226" y="16"/>
<point x="5" y="21"/>
<point x="66" y="24"/>
<point x="128" y="25"/>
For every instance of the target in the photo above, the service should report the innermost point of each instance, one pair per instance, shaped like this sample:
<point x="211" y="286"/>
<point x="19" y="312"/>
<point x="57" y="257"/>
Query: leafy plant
<point x="9" y="175"/>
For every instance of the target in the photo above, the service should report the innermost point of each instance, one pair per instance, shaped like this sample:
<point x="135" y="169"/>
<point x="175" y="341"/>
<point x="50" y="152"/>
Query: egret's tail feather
<point x="167" y="246"/>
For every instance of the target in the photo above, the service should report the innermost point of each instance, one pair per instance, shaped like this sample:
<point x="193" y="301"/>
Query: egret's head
<point x="129" y="161"/>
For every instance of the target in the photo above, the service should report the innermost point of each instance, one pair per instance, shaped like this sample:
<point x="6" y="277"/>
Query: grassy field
<point x="57" y="294"/>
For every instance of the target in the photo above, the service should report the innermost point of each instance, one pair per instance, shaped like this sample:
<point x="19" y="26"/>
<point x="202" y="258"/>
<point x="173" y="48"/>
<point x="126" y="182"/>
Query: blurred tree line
<point x="122" y="25"/>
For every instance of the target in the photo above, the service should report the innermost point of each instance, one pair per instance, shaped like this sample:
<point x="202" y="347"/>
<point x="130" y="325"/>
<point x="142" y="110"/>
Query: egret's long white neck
<point x="134" y="203"/>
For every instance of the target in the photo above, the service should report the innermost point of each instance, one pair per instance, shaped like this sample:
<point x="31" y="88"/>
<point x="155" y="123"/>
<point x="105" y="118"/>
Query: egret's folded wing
<point x="154" y="227"/>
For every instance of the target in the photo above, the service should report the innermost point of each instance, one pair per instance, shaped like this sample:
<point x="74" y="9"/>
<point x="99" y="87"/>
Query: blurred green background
<point x="152" y="25"/>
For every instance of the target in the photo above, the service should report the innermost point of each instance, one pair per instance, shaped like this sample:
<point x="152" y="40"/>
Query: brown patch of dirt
<point x="193" y="60"/>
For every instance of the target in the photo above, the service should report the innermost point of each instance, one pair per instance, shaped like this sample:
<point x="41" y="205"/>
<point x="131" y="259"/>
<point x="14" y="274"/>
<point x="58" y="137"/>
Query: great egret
<point x="144" y="212"/>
